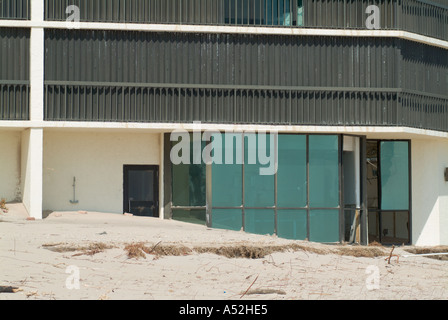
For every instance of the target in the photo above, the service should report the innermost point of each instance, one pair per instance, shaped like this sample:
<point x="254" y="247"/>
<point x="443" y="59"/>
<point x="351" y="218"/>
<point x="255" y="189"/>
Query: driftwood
<point x="392" y="255"/>
<point x="249" y="287"/>
<point x="8" y="289"/>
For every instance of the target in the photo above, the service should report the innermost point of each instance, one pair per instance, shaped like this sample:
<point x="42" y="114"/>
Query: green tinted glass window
<point x="324" y="225"/>
<point x="324" y="171"/>
<point x="230" y="219"/>
<point x="227" y="178"/>
<point x="258" y="188"/>
<point x="291" y="174"/>
<point x="259" y="221"/>
<point x="394" y="175"/>
<point x="190" y="216"/>
<point x="292" y="224"/>
<point x="188" y="181"/>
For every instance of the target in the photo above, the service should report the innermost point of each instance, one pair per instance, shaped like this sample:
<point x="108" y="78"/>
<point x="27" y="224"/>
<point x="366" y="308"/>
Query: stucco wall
<point x="443" y="204"/>
<point x="10" y="142"/>
<point x="429" y="192"/>
<point x="96" y="160"/>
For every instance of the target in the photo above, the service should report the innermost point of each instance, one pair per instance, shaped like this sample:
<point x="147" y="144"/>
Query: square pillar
<point x="31" y="171"/>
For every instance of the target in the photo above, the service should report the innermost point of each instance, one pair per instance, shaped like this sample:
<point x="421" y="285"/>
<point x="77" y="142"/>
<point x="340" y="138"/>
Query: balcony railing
<point x="420" y="16"/>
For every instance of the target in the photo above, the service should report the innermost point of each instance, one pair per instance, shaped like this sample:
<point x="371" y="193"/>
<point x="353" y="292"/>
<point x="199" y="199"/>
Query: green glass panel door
<point x="394" y="163"/>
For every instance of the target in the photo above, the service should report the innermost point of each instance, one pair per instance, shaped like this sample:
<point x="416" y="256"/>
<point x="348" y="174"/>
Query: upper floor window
<point x="264" y="12"/>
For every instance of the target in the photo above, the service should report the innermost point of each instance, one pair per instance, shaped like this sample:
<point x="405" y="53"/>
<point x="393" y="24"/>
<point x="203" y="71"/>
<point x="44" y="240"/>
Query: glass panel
<point x="231" y="219"/>
<point x="270" y="12"/>
<point x="258" y="189"/>
<point x="196" y="216"/>
<point x="227" y="178"/>
<point x="394" y="172"/>
<point x="324" y="225"/>
<point x="141" y="185"/>
<point x="291" y="174"/>
<point x="259" y="221"/>
<point x="188" y="181"/>
<point x="300" y="13"/>
<point x="291" y="224"/>
<point x="324" y="171"/>
<point x="395" y="227"/>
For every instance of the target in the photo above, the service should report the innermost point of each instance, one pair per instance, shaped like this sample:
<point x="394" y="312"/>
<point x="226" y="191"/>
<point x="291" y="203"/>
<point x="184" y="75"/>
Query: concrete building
<point x="355" y="97"/>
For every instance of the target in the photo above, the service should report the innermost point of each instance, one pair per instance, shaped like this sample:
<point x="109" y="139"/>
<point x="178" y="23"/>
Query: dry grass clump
<point x="240" y="251"/>
<point x="89" y="250"/>
<point x="361" y="251"/>
<point x="425" y="250"/>
<point x="375" y="244"/>
<point x="139" y="250"/>
<point x="3" y="207"/>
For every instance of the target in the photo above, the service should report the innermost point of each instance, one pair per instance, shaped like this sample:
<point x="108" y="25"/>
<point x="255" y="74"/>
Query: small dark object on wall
<point x="446" y="174"/>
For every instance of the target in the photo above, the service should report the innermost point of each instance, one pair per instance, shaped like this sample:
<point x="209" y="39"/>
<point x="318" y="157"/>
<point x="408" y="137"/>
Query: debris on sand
<point x="89" y="249"/>
<point x="265" y="291"/>
<point x="140" y="249"/>
<point x="431" y="250"/>
<point x="9" y="289"/>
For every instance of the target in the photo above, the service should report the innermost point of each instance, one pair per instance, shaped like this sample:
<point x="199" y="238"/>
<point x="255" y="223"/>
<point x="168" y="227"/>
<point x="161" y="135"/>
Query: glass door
<point x="141" y="190"/>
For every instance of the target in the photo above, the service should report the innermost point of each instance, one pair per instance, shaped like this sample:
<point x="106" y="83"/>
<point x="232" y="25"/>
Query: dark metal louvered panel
<point x="273" y="62"/>
<point x="222" y="78"/>
<point x="15" y="9"/>
<point x="14" y="74"/>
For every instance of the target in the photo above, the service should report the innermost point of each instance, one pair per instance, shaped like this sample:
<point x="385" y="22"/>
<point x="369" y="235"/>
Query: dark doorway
<point x="389" y="191"/>
<point x="141" y="190"/>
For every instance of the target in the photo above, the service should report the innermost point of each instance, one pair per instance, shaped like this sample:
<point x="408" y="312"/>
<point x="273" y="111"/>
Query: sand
<point x="43" y="258"/>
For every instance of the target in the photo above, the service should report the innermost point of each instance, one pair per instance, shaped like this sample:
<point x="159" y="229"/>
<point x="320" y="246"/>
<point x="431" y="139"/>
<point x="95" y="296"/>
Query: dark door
<point x="141" y="190"/>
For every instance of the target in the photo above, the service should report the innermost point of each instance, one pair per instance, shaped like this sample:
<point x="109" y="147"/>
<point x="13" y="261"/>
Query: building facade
<point x="96" y="95"/>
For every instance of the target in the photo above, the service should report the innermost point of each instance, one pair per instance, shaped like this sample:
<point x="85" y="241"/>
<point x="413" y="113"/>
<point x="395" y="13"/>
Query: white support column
<point x="32" y="139"/>
<point x="31" y="171"/>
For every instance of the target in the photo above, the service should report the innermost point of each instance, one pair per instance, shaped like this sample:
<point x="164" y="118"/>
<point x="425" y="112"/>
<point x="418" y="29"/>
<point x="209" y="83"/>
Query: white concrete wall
<point x="429" y="192"/>
<point x="443" y="187"/>
<point x="10" y="142"/>
<point x="96" y="160"/>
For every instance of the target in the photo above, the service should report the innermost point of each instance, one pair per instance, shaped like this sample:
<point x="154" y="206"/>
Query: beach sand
<point x="183" y="261"/>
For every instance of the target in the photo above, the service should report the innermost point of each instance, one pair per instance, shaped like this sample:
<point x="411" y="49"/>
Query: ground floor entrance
<point x="389" y="191"/>
<point x="141" y="190"/>
<point x="325" y="188"/>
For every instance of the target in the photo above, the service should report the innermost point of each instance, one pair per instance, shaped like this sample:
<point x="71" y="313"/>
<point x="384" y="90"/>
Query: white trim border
<point x="228" y="29"/>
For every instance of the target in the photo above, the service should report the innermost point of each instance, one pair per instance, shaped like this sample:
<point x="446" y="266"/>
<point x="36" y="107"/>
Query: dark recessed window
<point x="264" y="12"/>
